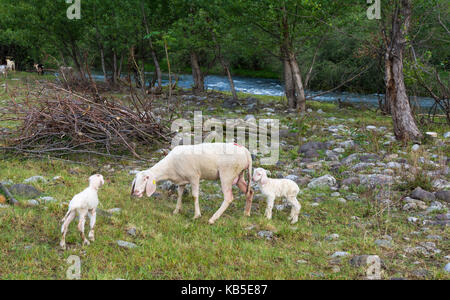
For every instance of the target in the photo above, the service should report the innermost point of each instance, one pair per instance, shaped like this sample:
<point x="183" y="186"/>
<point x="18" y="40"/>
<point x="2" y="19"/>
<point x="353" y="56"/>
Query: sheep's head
<point x="143" y="182"/>
<point x="260" y="175"/>
<point x="96" y="181"/>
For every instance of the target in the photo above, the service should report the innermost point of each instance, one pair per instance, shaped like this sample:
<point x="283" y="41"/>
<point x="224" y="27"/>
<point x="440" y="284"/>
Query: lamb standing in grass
<point x="273" y="188"/>
<point x="85" y="203"/>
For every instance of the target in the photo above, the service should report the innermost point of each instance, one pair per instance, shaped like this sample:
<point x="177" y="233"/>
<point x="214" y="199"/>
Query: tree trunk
<point x="102" y="57"/>
<point x="298" y="83"/>
<point x="197" y="75"/>
<point x="289" y="84"/>
<point x="230" y="78"/>
<point x="114" y="67"/>
<point x="155" y="58"/>
<point x="405" y="128"/>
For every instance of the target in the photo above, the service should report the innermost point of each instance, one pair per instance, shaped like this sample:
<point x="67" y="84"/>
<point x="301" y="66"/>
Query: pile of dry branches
<point x="59" y="122"/>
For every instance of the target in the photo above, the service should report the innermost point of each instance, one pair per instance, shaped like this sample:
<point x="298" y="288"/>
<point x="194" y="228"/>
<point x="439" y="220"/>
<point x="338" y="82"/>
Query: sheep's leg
<point x="269" y="208"/>
<point x="195" y="193"/>
<point x="228" y="198"/>
<point x="242" y="185"/>
<point x="295" y="210"/>
<point x="180" y="199"/>
<point x="81" y="223"/>
<point x="92" y="218"/>
<point x="65" y="227"/>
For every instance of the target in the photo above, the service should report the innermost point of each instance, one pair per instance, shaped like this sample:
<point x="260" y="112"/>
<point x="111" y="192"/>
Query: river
<point x="273" y="87"/>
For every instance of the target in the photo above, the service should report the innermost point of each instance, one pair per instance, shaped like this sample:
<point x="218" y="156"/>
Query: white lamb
<point x="4" y="70"/>
<point x="273" y="188"/>
<point x="10" y="65"/>
<point x="84" y="203"/>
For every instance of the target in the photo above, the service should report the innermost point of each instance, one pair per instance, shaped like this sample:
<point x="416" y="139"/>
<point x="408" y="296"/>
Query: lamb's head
<point x="96" y="181"/>
<point x="143" y="182"/>
<point x="260" y="175"/>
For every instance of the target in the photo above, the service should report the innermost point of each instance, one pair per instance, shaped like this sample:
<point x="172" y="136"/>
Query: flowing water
<point x="273" y="87"/>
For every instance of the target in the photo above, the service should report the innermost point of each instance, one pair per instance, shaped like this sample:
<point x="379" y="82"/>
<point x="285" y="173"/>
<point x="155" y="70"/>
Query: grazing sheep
<point x="3" y="70"/>
<point x="84" y="203"/>
<point x="273" y="188"/>
<point x="10" y="65"/>
<point x="191" y="163"/>
<point x="39" y="69"/>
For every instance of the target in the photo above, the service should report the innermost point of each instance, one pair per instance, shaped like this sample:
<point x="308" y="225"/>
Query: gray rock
<point x="33" y="202"/>
<point x="132" y="231"/>
<point x="434" y="237"/>
<point x="447" y="135"/>
<point x="326" y="180"/>
<point x="412" y="219"/>
<point x="335" y="194"/>
<point x="125" y="244"/>
<point x="415" y="147"/>
<point x="362" y="166"/>
<point x="394" y="165"/>
<point x="24" y="190"/>
<point x="292" y="177"/>
<point x="313" y="146"/>
<point x="47" y="200"/>
<point x="268" y="235"/>
<point x="35" y="179"/>
<point x="384" y="244"/>
<point x="373" y="180"/>
<point x="422" y="273"/>
<point x="332" y="237"/>
<point x="340" y="254"/>
<point x="441" y="184"/>
<point x="421" y="194"/>
<point x="361" y="260"/>
<point x="443" y="195"/>
<point x="7" y="182"/>
<point x="347" y="144"/>
<point x="350" y="181"/>
<point x="447" y="268"/>
<point x="115" y="210"/>
<point x="435" y="206"/>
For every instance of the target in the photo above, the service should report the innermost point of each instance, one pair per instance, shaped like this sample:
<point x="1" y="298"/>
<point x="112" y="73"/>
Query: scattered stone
<point x="415" y="147"/>
<point x="362" y="166"/>
<point x="335" y="269"/>
<point x="384" y="243"/>
<point x="323" y="181"/>
<point x="394" y="165"/>
<point x="431" y="134"/>
<point x="315" y="204"/>
<point x="443" y="195"/>
<point x="434" y="237"/>
<point x="353" y="197"/>
<point x="421" y="194"/>
<point x="340" y="254"/>
<point x="268" y="235"/>
<point x="371" y="128"/>
<point x="447" y="268"/>
<point x="35" y="179"/>
<point x="3" y="206"/>
<point x="435" y="206"/>
<point x="447" y="135"/>
<point x="332" y="237"/>
<point x="347" y="144"/>
<point x="441" y="184"/>
<point x="422" y="273"/>
<point x="114" y="210"/>
<point x="127" y="245"/>
<point x="361" y="260"/>
<point x="350" y="181"/>
<point x="301" y="261"/>
<point x="33" y="202"/>
<point x="373" y="180"/>
<point x="413" y="204"/>
<point x="132" y="231"/>
<point x="335" y="194"/>
<point x="24" y="190"/>
<point x="342" y="200"/>
<point x="292" y="177"/>
<point x="412" y="219"/>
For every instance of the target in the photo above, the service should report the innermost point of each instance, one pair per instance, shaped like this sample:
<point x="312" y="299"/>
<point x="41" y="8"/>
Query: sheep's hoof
<point x="176" y="211"/>
<point x="86" y="243"/>
<point x="211" y="221"/>
<point x="63" y="245"/>
<point x="197" y="216"/>
<point x="294" y="220"/>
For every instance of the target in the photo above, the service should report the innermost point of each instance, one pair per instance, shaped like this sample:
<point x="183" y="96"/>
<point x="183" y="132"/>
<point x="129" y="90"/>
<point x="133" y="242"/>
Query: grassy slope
<point x="177" y="247"/>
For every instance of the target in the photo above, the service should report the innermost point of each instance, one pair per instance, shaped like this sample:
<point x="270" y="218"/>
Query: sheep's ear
<point x="150" y="188"/>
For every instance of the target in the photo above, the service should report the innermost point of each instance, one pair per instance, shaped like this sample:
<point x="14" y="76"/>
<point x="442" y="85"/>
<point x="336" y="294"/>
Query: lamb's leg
<point x="269" y="208"/>
<point x="180" y="199"/>
<point x="92" y="217"/>
<point x="65" y="227"/>
<point x="228" y="198"/>
<point x="242" y="185"/>
<point x="295" y="210"/>
<point x="195" y="193"/>
<point x="81" y="223"/>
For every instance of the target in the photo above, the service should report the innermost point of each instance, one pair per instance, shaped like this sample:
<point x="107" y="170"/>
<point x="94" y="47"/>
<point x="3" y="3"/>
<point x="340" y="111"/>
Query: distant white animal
<point x="3" y="70"/>
<point x="84" y="203"/>
<point x="191" y="163"/>
<point x="273" y="188"/>
<point x="10" y="65"/>
<point x="39" y="69"/>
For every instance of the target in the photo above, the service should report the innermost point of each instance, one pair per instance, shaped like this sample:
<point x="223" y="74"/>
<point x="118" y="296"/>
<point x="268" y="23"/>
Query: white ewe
<point x="84" y="203"/>
<point x="191" y="163"/>
<point x="273" y="188"/>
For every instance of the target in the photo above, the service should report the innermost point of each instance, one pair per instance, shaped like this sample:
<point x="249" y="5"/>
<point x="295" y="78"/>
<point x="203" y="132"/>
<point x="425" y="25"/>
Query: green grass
<point x="178" y="247"/>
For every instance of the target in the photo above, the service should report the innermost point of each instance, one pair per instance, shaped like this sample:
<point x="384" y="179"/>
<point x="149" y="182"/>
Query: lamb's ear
<point x="264" y="179"/>
<point x="150" y="187"/>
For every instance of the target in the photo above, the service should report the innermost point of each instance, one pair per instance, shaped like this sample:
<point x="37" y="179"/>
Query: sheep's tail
<point x="67" y="215"/>
<point x="250" y="162"/>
